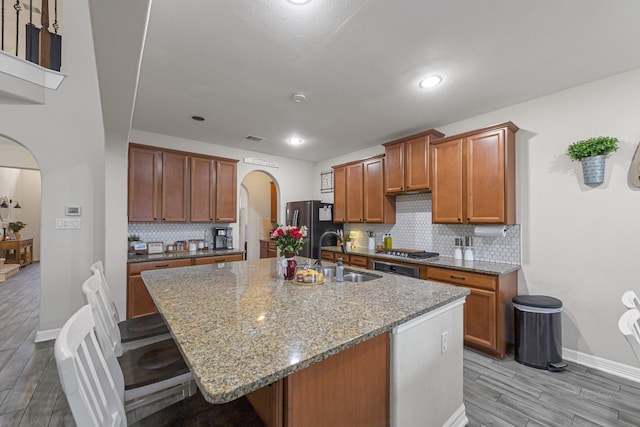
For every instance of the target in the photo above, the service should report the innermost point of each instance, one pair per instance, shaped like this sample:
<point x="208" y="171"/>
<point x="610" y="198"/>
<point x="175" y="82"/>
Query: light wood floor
<point x="496" y="393"/>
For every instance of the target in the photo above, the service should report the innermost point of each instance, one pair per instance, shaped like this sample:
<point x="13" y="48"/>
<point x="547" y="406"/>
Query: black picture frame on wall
<point x="326" y="182"/>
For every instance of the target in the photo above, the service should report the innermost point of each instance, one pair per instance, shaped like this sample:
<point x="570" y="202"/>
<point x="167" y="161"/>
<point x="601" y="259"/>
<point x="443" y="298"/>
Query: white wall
<point x="578" y="242"/>
<point x="14" y="155"/>
<point x="259" y="207"/>
<point x="66" y="138"/>
<point x="28" y="193"/>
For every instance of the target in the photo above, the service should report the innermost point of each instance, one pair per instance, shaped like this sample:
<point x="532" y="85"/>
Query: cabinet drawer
<point x="327" y="255"/>
<point x="138" y="267"/>
<point x="360" y="261"/>
<point x="218" y="259"/>
<point x="465" y="278"/>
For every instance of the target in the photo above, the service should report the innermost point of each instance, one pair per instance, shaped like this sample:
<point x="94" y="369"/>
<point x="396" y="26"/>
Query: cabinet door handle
<point x="458" y="278"/>
<point x="459" y="220"/>
<point x="468" y="219"/>
<point x="162" y="265"/>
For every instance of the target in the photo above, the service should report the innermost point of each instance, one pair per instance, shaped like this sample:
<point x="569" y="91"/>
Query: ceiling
<point x="237" y="63"/>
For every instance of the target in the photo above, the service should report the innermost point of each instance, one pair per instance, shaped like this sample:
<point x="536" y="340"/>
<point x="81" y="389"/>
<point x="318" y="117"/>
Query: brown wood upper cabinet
<point x="173" y="186"/>
<point x="226" y="172"/>
<point x="339" y="193"/>
<point x="359" y="193"/>
<point x="144" y="184"/>
<point x="474" y="177"/>
<point x="407" y="163"/>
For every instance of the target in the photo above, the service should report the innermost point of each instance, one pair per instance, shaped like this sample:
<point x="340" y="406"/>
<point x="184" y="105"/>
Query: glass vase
<point x="289" y="264"/>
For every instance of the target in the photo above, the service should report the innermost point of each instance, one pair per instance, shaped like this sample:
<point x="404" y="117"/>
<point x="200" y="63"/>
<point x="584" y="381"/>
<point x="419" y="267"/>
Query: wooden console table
<point x="17" y="251"/>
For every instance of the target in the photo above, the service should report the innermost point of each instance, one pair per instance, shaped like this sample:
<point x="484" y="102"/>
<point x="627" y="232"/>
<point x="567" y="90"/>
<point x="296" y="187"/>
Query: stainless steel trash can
<point x="538" y="331"/>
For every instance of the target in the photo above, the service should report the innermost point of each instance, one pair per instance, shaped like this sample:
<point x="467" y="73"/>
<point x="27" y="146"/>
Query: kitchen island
<point x="242" y="328"/>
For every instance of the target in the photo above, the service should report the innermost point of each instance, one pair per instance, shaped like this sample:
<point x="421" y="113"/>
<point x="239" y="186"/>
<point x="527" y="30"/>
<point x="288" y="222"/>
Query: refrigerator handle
<point x="296" y="213"/>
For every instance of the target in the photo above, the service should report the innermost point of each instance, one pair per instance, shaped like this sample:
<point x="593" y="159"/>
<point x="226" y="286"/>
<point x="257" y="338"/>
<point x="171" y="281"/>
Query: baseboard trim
<point x="458" y="418"/>
<point x="609" y="366"/>
<point x="48" y="335"/>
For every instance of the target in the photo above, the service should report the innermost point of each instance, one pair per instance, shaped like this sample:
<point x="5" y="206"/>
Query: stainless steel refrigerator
<point x="318" y="217"/>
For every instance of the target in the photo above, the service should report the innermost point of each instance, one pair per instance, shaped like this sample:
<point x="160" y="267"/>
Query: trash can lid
<point x="540" y="301"/>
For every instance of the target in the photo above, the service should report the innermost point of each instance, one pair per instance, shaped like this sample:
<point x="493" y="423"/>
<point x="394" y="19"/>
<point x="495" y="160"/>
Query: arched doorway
<point x="259" y="203"/>
<point x="20" y="189"/>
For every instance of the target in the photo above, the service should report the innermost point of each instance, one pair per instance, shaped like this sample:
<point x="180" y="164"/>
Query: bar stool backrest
<point x="630" y="300"/>
<point x="629" y="325"/>
<point x="92" y="393"/>
<point x="97" y="266"/>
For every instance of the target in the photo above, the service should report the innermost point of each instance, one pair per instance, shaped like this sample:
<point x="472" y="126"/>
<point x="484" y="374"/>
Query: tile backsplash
<point x="413" y="230"/>
<point x="169" y="232"/>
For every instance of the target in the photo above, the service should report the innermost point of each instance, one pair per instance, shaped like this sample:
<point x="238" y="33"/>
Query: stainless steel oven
<point x="389" y="267"/>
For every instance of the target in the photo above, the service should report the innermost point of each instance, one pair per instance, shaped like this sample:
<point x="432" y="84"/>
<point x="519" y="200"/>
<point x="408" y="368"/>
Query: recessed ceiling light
<point x="299" y="97"/>
<point x="198" y="118"/>
<point x="431" y="81"/>
<point x="299" y="1"/>
<point x="295" y="141"/>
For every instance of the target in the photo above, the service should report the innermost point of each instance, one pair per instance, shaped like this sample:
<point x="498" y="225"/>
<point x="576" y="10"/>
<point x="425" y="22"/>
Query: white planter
<point x="593" y="169"/>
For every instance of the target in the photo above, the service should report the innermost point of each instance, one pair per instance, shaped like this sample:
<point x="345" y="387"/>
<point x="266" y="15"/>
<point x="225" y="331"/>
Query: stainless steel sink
<point x="350" y="275"/>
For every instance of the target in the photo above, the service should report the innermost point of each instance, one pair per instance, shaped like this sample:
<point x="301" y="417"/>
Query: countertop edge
<point x="479" y="266"/>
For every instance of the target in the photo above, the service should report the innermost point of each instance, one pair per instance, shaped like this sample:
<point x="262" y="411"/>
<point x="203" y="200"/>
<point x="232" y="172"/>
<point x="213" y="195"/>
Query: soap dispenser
<point x="340" y="271"/>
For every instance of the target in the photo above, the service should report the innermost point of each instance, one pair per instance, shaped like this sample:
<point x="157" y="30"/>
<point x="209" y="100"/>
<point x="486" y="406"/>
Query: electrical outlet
<point x="444" y="342"/>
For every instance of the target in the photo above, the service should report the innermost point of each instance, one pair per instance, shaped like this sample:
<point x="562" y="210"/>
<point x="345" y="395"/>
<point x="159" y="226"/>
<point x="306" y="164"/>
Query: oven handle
<point x="390" y="268"/>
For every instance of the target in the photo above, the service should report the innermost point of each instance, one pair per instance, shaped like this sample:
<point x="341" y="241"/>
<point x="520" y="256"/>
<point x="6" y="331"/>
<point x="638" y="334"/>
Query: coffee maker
<point x="223" y="238"/>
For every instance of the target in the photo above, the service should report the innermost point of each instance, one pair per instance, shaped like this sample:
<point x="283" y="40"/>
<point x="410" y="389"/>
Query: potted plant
<point x="16" y="227"/>
<point x="592" y="153"/>
<point x="133" y="238"/>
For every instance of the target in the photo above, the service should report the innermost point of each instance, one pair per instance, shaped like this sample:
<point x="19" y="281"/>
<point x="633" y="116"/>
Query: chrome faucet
<point x="328" y="233"/>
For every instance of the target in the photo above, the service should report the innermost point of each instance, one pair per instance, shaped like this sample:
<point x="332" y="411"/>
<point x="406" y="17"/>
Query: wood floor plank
<point x="536" y="411"/>
<point x="589" y="409"/>
<point x="583" y="422"/>
<point x="14" y="366"/>
<point x="62" y="418"/>
<point x="480" y="417"/>
<point x="11" y="419"/>
<point x="629" y="417"/>
<point x="45" y="395"/>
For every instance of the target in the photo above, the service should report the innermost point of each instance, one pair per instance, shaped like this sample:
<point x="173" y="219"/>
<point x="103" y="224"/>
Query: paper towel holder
<point x="490" y="230"/>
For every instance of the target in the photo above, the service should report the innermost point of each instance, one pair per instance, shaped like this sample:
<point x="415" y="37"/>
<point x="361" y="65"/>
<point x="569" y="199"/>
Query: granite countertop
<point x="486" y="267"/>
<point x="240" y="326"/>
<point x="133" y="258"/>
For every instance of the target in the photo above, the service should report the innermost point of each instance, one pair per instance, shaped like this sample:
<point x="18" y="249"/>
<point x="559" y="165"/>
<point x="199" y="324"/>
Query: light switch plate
<point x="67" y="223"/>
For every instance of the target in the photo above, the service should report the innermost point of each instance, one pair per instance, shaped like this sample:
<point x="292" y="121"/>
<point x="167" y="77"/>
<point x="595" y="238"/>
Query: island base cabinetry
<point x="350" y="388"/>
<point x="402" y="378"/>
<point x="488" y="312"/>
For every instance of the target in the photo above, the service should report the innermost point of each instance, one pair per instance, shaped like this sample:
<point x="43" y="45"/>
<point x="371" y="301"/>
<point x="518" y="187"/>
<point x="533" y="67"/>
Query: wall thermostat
<point x="72" y="210"/>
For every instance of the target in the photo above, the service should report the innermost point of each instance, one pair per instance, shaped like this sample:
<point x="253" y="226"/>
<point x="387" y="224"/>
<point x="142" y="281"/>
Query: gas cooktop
<point x="408" y="253"/>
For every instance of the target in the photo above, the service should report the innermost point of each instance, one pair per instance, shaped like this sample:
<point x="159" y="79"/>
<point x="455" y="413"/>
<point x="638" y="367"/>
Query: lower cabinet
<point x="217" y="259"/>
<point x="268" y="249"/>
<point x="488" y="312"/>
<point x="139" y="302"/>
<point x="349" y="388"/>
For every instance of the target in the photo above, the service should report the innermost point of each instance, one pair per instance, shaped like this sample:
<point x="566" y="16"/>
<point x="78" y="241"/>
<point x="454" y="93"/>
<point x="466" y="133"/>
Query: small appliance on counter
<point x="223" y="238"/>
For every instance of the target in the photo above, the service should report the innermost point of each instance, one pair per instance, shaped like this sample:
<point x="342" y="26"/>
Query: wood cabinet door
<point x="417" y="160"/>
<point x="139" y="302"/>
<point x="373" y="190"/>
<point x="447" y="185"/>
<point x="144" y="184"/>
<point x="485" y="194"/>
<point x="264" y="249"/>
<point x="175" y="184"/>
<point x="355" y="202"/>
<point x="339" y="194"/>
<point x="480" y="318"/>
<point x="226" y="173"/>
<point x="394" y="171"/>
<point x="202" y="189"/>
<point x="217" y="259"/>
